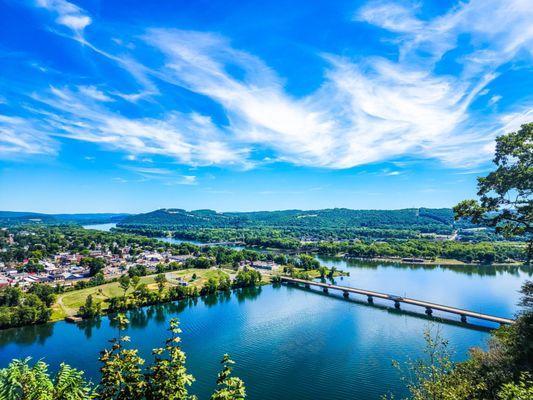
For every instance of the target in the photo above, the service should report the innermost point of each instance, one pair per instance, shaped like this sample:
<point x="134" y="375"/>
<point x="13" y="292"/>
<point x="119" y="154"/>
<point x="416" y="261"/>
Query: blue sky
<point x="254" y="105"/>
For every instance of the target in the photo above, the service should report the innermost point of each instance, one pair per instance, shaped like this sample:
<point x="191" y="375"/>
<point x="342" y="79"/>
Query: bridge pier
<point x="428" y="306"/>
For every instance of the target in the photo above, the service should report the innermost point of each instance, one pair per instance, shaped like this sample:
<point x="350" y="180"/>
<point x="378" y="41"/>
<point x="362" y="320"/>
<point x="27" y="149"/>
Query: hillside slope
<point x="413" y="218"/>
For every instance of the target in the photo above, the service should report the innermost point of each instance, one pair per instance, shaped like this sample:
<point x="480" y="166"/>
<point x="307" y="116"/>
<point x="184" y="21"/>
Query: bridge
<point x="429" y="307"/>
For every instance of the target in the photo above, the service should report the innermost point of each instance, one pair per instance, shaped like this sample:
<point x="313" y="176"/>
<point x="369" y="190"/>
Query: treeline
<point x="137" y="294"/>
<point x="291" y="236"/>
<point x="18" y="308"/>
<point x="477" y="252"/>
<point x="485" y="253"/>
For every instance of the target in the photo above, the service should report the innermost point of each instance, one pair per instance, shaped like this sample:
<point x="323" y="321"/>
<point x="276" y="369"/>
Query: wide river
<point x="291" y="343"/>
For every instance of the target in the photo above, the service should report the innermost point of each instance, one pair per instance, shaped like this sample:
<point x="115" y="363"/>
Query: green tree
<point x="124" y="282"/>
<point x="229" y="387"/>
<point x="168" y="377"/>
<point x="90" y="309"/>
<point x="160" y="279"/>
<point x="506" y="194"/>
<point x="523" y="390"/>
<point x="430" y="377"/>
<point x="121" y="371"/>
<point x="22" y="381"/>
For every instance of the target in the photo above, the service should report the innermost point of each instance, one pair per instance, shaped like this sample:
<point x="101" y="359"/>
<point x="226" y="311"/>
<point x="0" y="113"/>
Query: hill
<point x="422" y="219"/>
<point x="8" y="218"/>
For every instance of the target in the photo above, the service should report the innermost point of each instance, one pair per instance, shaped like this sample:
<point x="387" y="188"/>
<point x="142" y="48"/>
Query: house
<point x="180" y="257"/>
<point x="269" y="265"/>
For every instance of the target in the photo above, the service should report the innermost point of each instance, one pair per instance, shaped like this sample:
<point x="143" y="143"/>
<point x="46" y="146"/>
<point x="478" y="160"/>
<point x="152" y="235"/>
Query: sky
<point x="131" y="106"/>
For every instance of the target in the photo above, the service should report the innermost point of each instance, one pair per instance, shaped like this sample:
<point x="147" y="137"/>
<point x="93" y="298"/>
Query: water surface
<point x="291" y="343"/>
<point x="101" y="227"/>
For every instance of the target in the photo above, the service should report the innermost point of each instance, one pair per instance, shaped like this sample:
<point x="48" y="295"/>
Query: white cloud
<point x="365" y="111"/>
<point x="390" y="16"/>
<point x="393" y="173"/>
<point x="94" y="93"/>
<point x="186" y="180"/>
<point x="68" y="14"/>
<point x="494" y="99"/>
<point x="21" y="136"/>
<point x="189" y="138"/>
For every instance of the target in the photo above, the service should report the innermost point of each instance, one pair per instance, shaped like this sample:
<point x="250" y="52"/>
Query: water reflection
<point x="88" y="325"/>
<point x="470" y="270"/>
<point x="26" y="335"/>
<point x="401" y="311"/>
<point x="142" y="317"/>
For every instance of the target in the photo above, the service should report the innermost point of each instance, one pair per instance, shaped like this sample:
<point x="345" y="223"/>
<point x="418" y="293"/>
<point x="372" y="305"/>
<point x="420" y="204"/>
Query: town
<point x="66" y="268"/>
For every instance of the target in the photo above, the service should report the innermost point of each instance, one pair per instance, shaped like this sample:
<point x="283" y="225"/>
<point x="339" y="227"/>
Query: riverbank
<point x="68" y="304"/>
<point x="437" y="262"/>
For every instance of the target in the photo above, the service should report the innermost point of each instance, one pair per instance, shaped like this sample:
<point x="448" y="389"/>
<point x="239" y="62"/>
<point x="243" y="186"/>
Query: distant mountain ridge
<point x="174" y="218"/>
<point x="21" y="217"/>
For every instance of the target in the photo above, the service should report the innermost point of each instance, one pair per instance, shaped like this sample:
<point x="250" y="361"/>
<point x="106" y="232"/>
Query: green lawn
<point x="68" y="303"/>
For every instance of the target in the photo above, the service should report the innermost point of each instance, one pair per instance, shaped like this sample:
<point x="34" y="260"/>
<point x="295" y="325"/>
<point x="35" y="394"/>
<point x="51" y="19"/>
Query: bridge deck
<point x="420" y="303"/>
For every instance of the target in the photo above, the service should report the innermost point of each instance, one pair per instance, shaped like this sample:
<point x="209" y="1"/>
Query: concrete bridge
<point x="429" y="307"/>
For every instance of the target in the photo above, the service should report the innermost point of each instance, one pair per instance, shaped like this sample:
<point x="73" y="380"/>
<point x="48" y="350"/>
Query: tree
<point x="121" y="372"/>
<point x="523" y="390"/>
<point x="122" y="375"/>
<point x="431" y="378"/>
<point x="168" y="377"/>
<point x="90" y="309"/>
<point x="95" y="264"/>
<point x="21" y="381"/>
<point x="124" y="282"/>
<point x="135" y="280"/>
<point x="506" y="194"/>
<point x="160" y="279"/>
<point x="229" y="387"/>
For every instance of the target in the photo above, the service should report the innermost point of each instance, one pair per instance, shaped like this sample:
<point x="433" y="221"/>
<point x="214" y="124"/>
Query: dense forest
<point x="420" y="219"/>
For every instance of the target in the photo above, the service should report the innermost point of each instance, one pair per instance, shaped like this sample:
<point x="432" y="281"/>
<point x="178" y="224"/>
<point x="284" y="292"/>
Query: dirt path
<point x="67" y="310"/>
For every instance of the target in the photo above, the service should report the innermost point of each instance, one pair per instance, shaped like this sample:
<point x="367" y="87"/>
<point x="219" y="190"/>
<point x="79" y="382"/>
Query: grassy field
<point x="67" y="304"/>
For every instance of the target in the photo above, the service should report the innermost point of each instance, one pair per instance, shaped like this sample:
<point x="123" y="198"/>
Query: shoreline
<point x="440" y="262"/>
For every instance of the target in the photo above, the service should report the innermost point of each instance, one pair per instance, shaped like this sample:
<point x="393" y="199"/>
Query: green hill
<point x="422" y="219"/>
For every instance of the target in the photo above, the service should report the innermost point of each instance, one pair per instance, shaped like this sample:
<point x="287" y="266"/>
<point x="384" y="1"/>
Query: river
<point x="291" y="343"/>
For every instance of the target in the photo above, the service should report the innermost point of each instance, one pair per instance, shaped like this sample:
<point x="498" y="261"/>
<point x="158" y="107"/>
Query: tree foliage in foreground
<point x="506" y="194"/>
<point x="503" y="372"/>
<point x="122" y="375"/>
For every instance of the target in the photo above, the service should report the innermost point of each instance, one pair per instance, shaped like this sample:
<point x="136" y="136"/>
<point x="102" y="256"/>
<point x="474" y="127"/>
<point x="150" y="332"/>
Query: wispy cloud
<point x="494" y="99"/>
<point x="94" y="93"/>
<point x="365" y="111"/>
<point x="183" y="180"/>
<point x="21" y="136"/>
<point x="68" y="14"/>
